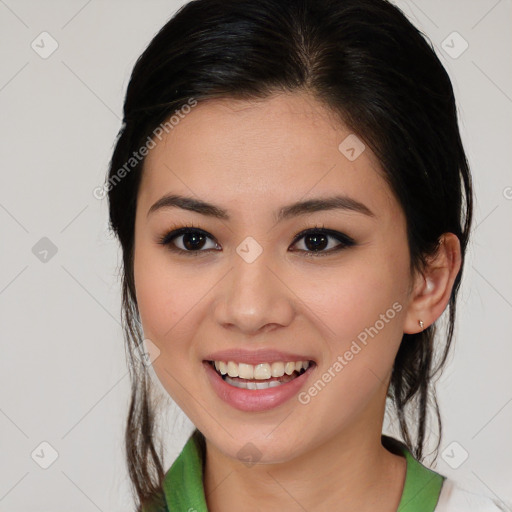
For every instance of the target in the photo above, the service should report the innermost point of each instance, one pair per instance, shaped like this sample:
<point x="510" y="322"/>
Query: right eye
<point x="192" y="241"/>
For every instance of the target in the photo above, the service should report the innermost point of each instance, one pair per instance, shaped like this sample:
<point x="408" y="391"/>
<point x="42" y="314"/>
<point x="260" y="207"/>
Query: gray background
<point x="64" y="376"/>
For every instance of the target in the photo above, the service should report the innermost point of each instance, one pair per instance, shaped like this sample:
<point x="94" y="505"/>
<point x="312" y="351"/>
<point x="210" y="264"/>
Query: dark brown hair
<point x="370" y="66"/>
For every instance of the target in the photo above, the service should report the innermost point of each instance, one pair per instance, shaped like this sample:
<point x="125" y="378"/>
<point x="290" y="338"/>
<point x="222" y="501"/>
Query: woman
<point x="293" y="203"/>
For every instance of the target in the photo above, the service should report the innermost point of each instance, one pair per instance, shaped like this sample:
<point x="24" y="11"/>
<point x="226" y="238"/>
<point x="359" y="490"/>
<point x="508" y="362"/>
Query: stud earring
<point x="421" y="324"/>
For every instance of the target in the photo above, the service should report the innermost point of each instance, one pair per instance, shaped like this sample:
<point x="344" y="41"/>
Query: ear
<point x="433" y="287"/>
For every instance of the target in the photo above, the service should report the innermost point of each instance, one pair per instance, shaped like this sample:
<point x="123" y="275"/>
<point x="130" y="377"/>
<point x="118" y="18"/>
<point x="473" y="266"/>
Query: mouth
<point x="260" y="376"/>
<point x="264" y="380"/>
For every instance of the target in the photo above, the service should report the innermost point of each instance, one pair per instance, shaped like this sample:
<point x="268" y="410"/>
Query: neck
<point x="349" y="471"/>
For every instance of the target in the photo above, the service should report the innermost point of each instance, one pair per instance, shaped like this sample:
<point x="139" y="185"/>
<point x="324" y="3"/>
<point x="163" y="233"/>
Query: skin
<point x="252" y="158"/>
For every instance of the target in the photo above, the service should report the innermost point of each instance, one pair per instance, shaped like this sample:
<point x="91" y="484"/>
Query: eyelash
<point x="345" y="240"/>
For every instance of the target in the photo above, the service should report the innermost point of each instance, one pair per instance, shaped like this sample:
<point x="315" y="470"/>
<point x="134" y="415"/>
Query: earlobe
<point x="434" y="286"/>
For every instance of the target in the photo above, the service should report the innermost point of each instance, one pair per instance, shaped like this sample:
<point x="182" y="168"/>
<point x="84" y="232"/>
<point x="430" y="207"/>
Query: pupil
<point x="316" y="244"/>
<point x="194" y="243"/>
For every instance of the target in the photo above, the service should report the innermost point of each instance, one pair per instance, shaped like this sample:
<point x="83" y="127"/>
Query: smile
<point x="257" y="387"/>
<point x="259" y="376"/>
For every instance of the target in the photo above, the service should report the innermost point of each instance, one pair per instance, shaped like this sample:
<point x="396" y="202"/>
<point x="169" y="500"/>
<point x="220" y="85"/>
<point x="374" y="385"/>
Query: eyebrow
<point x="338" y="202"/>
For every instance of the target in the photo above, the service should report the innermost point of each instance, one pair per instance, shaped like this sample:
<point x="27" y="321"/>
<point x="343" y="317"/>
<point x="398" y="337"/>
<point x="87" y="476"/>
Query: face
<point x="242" y="283"/>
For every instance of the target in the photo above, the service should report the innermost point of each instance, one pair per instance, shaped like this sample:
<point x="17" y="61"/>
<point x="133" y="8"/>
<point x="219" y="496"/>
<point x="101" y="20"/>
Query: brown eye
<point x="188" y="240"/>
<point x="193" y="241"/>
<point x="319" y="241"/>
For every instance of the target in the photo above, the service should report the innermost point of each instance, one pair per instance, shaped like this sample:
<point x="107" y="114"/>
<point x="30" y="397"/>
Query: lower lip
<point x="255" y="399"/>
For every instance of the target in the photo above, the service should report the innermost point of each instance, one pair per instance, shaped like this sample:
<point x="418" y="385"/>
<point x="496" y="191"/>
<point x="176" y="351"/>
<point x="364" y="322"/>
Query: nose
<point x="254" y="298"/>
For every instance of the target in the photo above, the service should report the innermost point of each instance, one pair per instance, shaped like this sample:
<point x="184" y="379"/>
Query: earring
<point x="421" y="324"/>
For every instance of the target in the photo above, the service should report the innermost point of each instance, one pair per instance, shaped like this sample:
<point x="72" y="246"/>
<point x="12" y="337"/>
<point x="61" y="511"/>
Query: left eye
<point x="316" y="241"/>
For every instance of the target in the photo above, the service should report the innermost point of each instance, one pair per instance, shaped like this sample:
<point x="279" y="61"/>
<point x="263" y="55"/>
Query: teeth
<point x="277" y="369"/>
<point x="246" y="371"/>
<point x="289" y="368"/>
<point x="260" y="371"/>
<point x="253" y="385"/>
<point x="232" y="369"/>
<point x="222" y="367"/>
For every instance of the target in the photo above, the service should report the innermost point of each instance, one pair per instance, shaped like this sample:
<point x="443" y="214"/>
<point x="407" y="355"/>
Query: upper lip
<point x="255" y="356"/>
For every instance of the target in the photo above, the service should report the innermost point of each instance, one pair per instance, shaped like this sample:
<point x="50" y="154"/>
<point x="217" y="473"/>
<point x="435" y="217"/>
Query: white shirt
<point x="454" y="498"/>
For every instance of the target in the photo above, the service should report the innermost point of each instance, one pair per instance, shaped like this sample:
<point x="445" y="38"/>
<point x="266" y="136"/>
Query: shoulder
<point x="455" y="498"/>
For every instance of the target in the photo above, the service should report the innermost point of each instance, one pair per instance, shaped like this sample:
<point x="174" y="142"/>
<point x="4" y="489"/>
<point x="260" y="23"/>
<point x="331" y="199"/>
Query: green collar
<point x="422" y="485"/>
<point x="184" y="491"/>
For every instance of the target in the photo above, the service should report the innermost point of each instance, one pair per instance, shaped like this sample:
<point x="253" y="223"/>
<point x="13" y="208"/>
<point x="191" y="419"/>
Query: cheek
<point x="359" y="312"/>
<point x="165" y="295"/>
<point x="360" y="304"/>
<point x="168" y="298"/>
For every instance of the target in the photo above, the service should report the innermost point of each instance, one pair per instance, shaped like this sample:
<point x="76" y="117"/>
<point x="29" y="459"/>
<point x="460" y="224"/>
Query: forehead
<point x="251" y="155"/>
